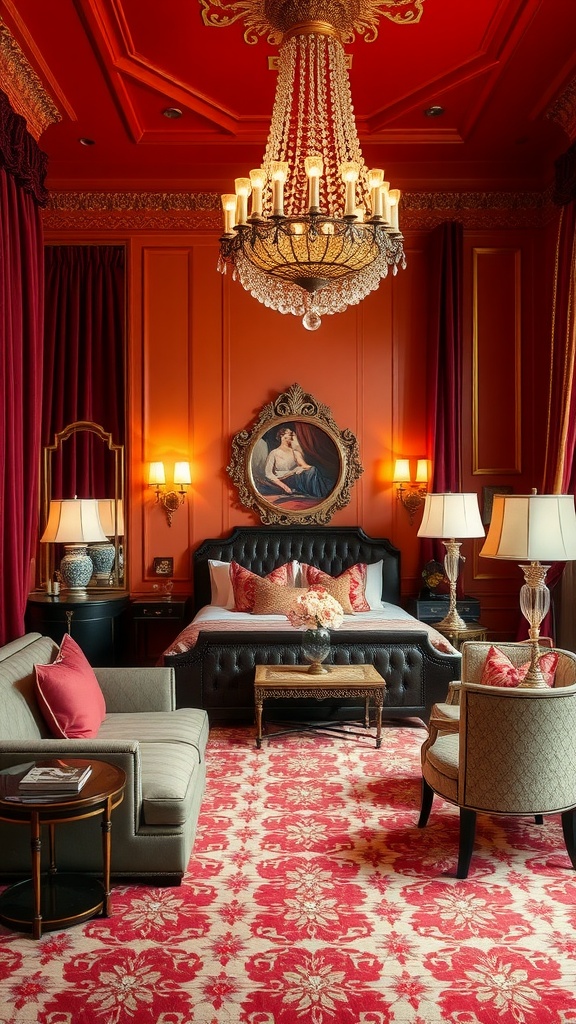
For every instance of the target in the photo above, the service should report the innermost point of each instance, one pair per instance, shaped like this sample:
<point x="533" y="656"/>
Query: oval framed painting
<point x="294" y="465"/>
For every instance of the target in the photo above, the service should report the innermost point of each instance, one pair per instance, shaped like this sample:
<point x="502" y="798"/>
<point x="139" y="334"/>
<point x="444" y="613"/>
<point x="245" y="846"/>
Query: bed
<point x="214" y="657"/>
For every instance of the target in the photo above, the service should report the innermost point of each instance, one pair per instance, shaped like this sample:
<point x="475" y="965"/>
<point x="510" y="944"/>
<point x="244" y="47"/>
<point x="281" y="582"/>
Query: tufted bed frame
<point x="218" y="672"/>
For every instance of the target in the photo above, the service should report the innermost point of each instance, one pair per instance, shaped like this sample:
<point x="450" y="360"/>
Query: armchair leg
<point x="569" y="830"/>
<point x="467" y="833"/>
<point x="426" y="805"/>
<point x="539" y="819"/>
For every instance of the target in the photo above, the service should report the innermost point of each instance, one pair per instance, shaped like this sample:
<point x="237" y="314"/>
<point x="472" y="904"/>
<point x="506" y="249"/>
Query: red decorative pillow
<point x="69" y="695"/>
<point x="499" y="671"/>
<point x="355" y="575"/>
<point x="244" y="584"/>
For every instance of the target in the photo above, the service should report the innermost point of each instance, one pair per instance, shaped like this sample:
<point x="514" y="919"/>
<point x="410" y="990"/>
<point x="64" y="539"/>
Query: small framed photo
<point x="488" y="500"/>
<point x="163" y="566"/>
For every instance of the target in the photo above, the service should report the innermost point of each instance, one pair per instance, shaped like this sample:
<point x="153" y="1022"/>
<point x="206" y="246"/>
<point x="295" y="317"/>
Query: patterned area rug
<point x="312" y="898"/>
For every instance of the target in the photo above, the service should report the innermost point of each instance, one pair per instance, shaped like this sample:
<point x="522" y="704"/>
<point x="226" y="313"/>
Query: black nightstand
<point x="95" y="621"/>
<point x="156" y="624"/>
<point x="433" y="609"/>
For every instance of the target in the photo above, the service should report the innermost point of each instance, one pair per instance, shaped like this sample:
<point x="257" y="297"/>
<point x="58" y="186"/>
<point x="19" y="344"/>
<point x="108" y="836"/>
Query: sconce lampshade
<point x="75" y="523"/>
<point x="402" y="471"/>
<point x="182" y="474"/>
<point x="450" y="515"/>
<point x="156" y="474"/>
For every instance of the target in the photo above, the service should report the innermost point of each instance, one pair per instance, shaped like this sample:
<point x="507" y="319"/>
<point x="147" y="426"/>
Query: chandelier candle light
<point x="447" y="516"/>
<point x="318" y="612"/>
<point x="323" y="230"/>
<point x="532" y="528"/>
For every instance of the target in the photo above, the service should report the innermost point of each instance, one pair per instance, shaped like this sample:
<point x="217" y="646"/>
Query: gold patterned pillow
<point x="272" y="599"/>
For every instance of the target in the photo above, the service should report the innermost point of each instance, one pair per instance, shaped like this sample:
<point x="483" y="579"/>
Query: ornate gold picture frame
<point x="294" y="465"/>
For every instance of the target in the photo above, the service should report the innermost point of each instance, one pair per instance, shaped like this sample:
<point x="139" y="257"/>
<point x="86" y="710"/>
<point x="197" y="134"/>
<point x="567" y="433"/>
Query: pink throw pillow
<point x="499" y="671"/>
<point x="69" y="695"/>
<point x="355" y="576"/>
<point x="244" y="584"/>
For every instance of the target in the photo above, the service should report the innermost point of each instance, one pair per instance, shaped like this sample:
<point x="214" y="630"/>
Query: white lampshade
<point x="73" y="521"/>
<point x="532" y="528"/>
<point x="402" y="471"/>
<point x="156" y="475"/>
<point x="182" y="473"/>
<point x="450" y="515"/>
<point x="106" y="511"/>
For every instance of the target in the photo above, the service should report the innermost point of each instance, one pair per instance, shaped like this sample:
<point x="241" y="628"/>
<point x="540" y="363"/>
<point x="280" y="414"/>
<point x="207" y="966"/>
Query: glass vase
<point x="316" y="648"/>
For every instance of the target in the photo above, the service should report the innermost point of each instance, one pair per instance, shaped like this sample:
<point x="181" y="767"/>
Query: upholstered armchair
<point x="474" y="654"/>
<point x="511" y="751"/>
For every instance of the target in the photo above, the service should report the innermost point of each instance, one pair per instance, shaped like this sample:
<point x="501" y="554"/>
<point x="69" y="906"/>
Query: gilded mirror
<point x="85" y="462"/>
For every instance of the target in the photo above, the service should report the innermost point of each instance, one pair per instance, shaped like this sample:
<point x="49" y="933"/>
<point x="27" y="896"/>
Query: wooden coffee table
<point x="59" y="900"/>
<point x="340" y="681"/>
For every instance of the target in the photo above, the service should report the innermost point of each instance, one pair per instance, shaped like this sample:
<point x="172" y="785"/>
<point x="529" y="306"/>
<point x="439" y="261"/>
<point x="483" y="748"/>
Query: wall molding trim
<point x="201" y="211"/>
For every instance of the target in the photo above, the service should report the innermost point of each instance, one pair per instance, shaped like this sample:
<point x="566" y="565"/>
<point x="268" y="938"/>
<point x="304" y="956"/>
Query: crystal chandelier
<point x="322" y="230"/>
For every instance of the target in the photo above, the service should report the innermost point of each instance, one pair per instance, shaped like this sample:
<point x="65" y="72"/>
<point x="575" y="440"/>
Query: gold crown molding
<point x="563" y="111"/>
<point x="274" y="18"/>
<point x="23" y="88"/>
<point x="201" y="211"/>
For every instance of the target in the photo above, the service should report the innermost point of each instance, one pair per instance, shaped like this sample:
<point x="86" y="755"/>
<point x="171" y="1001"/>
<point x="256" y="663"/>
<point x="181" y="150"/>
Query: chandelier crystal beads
<point x="323" y="230"/>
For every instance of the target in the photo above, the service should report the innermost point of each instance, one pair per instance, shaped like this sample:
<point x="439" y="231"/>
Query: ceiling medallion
<point x="271" y="18"/>
<point x="323" y="230"/>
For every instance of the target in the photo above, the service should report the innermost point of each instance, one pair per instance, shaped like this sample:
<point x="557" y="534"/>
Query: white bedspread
<point x="392" y="619"/>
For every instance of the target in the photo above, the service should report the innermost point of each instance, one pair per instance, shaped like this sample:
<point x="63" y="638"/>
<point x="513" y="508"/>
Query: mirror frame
<point x="47" y="556"/>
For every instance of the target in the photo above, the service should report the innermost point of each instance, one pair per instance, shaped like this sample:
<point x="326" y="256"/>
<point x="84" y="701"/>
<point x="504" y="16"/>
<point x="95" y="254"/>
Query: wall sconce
<point x="415" y="493"/>
<point x="170" y="500"/>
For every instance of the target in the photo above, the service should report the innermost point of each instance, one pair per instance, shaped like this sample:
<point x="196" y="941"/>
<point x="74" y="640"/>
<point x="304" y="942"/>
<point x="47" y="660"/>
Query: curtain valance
<point x="20" y="154"/>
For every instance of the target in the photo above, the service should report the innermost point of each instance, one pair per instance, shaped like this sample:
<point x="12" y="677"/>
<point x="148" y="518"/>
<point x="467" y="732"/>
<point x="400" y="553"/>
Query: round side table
<point x="52" y="900"/>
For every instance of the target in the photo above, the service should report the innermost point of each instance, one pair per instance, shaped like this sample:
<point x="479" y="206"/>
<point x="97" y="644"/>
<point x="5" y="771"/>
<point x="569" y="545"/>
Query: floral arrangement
<point x="316" y="608"/>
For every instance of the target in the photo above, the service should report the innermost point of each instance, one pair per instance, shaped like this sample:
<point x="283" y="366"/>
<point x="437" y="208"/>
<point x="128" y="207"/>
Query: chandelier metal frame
<point x="323" y="230"/>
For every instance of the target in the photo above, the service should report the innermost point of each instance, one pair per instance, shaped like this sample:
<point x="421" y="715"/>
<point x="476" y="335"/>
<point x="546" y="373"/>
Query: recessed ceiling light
<point x="86" y="142"/>
<point x="434" y="111"/>
<point x="172" y="112"/>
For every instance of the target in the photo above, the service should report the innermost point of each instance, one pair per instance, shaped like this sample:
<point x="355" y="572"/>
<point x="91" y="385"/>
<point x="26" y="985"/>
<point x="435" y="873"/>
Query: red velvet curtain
<point x="560" y="467"/>
<point x="444" y="410"/>
<point x="84" y="362"/>
<point x="22" y="173"/>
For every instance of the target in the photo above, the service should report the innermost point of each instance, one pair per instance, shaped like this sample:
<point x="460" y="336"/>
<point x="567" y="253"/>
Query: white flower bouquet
<point x="316" y="609"/>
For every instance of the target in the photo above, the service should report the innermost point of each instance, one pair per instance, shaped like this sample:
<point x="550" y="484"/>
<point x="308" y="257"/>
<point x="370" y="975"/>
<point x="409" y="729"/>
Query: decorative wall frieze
<point x="201" y="211"/>
<point x="563" y="110"/>
<point x="23" y="88"/>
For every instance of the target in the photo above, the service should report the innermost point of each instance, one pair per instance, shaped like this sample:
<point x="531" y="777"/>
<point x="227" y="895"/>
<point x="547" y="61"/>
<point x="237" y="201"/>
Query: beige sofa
<point x="161" y="749"/>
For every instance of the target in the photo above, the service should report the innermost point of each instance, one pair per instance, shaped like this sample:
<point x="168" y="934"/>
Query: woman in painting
<point x="287" y="469"/>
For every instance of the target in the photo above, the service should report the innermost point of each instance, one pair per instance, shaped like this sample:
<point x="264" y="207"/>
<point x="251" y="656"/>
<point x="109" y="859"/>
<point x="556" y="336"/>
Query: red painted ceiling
<point x="113" y="66"/>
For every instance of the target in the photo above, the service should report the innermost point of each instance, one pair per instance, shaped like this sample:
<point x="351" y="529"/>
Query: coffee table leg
<point x="379" y="702"/>
<point x="367" y="712"/>
<point x="259" y="701"/>
<point x="36" y="847"/>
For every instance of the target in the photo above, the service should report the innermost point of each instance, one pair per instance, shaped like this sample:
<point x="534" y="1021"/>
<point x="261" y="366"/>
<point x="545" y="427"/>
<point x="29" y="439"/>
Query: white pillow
<point x="373" y="589"/>
<point x="221" y="584"/>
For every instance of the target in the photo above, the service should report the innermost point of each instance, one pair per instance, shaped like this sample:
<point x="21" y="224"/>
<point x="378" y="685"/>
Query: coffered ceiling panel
<point x="113" y="68"/>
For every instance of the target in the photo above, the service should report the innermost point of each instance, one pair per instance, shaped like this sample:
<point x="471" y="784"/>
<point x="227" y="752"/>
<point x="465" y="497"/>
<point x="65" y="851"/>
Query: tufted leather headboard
<point x="332" y="549"/>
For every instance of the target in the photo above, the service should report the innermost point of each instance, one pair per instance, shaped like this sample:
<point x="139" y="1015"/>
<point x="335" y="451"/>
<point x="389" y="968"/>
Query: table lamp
<point x="74" y="522"/>
<point x="532" y="528"/>
<point x="447" y="516"/>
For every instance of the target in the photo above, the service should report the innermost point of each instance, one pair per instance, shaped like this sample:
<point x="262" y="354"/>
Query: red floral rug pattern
<point x="312" y="898"/>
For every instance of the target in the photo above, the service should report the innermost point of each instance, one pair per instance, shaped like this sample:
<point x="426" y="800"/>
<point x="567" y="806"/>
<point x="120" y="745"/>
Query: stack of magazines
<point x="53" y="780"/>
